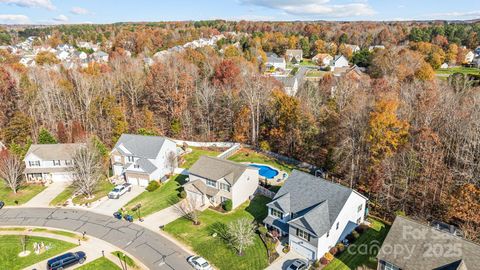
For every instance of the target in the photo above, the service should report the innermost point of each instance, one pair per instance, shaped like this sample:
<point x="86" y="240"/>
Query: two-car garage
<point x="137" y="179"/>
<point x="300" y="247"/>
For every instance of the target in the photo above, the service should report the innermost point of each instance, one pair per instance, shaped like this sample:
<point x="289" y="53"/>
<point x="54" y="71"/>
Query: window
<point x="328" y="233"/>
<point x="359" y="208"/>
<point x="130" y="159"/>
<point x="223" y="199"/>
<point x="276" y="213"/>
<point x="56" y="163"/>
<point x="303" y="234"/>
<point x="211" y="183"/>
<point x="68" y="162"/>
<point x="35" y="163"/>
<point x="359" y="220"/>
<point x="225" y="187"/>
<point x="136" y="166"/>
<point x="338" y="223"/>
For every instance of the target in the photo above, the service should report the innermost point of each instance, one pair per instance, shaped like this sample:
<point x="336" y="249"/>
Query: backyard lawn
<point x="100" y="263"/>
<point x="248" y="155"/>
<point x="214" y="249"/>
<point x="11" y="247"/>
<point x="351" y="260"/>
<point x="192" y="157"/>
<point x="23" y="195"/>
<point x="103" y="188"/>
<point x="163" y="197"/>
<point x="463" y="70"/>
<point x="316" y="73"/>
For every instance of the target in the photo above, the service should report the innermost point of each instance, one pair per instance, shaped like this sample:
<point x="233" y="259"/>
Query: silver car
<point x="199" y="263"/>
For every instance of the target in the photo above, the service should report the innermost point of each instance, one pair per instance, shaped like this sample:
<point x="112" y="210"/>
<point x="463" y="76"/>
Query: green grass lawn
<point x="307" y="62"/>
<point x="192" y="157"/>
<point x="214" y="249"/>
<point x="351" y="260"/>
<point x="163" y="197"/>
<point x="58" y="232"/>
<point x="103" y="188"/>
<point x="63" y="196"/>
<point x="247" y="155"/>
<point x="100" y="263"/>
<point x="463" y="70"/>
<point x="23" y="195"/>
<point x="316" y="73"/>
<point x="130" y="262"/>
<point x="11" y="246"/>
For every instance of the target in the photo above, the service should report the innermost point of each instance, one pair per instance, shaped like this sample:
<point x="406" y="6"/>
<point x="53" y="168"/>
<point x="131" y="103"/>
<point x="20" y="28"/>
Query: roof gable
<point x="140" y="146"/>
<point x="214" y="168"/>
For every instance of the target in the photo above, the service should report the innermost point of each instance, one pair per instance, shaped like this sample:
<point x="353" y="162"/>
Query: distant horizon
<point x="52" y="12"/>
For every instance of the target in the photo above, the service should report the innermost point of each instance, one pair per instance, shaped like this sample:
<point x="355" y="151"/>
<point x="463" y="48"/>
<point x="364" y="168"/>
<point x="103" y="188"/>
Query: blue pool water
<point x="265" y="171"/>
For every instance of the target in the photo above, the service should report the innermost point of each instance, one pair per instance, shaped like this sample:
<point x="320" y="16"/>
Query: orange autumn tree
<point x="465" y="207"/>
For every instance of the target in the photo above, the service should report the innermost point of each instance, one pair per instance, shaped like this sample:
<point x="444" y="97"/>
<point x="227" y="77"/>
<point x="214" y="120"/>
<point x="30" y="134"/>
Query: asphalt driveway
<point x="152" y="249"/>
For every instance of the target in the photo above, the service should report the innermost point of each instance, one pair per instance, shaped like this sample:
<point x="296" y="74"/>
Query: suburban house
<point x="290" y="84"/>
<point x="322" y="59"/>
<point x="376" y="47"/>
<point x="275" y="62"/>
<point x="100" y="56"/>
<point x="469" y="57"/>
<point x="294" y="56"/>
<point x="315" y="214"/>
<point x="214" y="180"/>
<point x="339" y="61"/>
<point x="141" y="159"/>
<point x="353" y="48"/>
<point x="410" y="245"/>
<point x="50" y="162"/>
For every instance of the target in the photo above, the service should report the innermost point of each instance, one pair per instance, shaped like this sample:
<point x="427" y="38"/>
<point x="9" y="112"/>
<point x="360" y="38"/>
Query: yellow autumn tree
<point x="386" y="131"/>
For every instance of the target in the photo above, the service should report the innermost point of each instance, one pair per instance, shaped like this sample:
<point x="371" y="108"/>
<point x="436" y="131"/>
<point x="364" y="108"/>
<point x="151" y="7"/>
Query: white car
<point x="199" y="263"/>
<point x="119" y="191"/>
<point x="298" y="265"/>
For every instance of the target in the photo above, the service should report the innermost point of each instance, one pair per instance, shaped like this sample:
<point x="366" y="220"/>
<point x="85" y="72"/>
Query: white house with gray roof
<point x="50" y="162"/>
<point x="141" y="159"/>
<point x="275" y="62"/>
<point x="214" y="180"/>
<point x="314" y="213"/>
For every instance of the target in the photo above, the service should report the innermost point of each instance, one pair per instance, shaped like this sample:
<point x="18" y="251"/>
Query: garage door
<point x="61" y="177"/>
<point x="133" y="181"/>
<point x="142" y="182"/>
<point x="197" y="197"/>
<point x="309" y="254"/>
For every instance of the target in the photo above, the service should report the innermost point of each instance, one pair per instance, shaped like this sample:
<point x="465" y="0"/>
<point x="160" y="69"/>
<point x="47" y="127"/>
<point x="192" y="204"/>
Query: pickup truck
<point x="119" y="191"/>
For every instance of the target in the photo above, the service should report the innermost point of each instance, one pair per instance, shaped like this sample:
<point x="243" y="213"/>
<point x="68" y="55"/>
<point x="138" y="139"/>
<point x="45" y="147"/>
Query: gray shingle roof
<point x="61" y="151"/>
<point x="315" y="202"/>
<point x="140" y="146"/>
<point x="146" y="165"/>
<point x="214" y="168"/>
<point x="419" y="242"/>
<point x="273" y="59"/>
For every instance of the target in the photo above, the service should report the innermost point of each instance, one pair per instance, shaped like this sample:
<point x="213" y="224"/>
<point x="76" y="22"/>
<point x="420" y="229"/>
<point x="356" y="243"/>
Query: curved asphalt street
<point x="152" y="249"/>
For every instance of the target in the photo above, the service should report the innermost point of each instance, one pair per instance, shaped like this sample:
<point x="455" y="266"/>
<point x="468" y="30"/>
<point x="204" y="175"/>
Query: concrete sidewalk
<point x="44" y="198"/>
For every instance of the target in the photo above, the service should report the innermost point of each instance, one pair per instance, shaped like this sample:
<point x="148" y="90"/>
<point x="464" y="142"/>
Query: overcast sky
<point x="108" y="11"/>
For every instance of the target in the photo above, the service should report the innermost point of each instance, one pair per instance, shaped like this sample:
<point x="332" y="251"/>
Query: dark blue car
<point x="68" y="259"/>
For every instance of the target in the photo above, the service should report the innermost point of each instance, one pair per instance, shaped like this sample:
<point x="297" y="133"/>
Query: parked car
<point x="298" y="265"/>
<point x="199" y="263"/>
<point x="2" y="204"/>
<point x="119" y="191"/>
<point x="68" y="259"/>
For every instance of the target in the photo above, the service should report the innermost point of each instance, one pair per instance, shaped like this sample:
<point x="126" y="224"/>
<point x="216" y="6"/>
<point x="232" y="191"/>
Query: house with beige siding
<point x="213" y="180"/>
<point x="50" y="162"/>
<point x="140" y="159"/>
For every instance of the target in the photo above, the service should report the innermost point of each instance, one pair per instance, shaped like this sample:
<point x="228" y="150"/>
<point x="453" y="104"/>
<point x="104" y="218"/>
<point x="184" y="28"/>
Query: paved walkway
<point x="44" y="198"/>
<point x="154" y="250"/>
<point x="108" y="206"/>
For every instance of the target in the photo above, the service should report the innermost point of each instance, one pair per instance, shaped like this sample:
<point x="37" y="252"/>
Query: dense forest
<point x="407" y="139"/>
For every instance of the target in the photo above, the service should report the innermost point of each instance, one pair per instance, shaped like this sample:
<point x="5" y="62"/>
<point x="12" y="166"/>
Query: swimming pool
<point x="265" y="171"/>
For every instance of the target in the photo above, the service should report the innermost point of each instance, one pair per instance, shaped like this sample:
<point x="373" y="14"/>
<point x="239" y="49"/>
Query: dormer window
<point x="130" y="159"/>
<point x="136" y="166"/>
<point x="276" y="213"/>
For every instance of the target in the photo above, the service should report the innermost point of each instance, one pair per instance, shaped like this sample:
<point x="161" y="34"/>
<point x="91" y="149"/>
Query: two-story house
<point x="50" y="162"/>
<point x="141" y="159"/>
<point x="315" y="214"/>
<point x="411" y="245"/>
<point x="214" y="180"/>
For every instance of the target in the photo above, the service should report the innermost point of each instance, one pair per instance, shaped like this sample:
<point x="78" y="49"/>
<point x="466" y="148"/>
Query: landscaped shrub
<point x="153" y="185"/>
<point x="340" y="247"/>
<point x="350" y="237"/>
<point x="328" y="256"/>
<point x="333" y="250"/>
<point x="324" y="261"/>
<point x="262" y="230"/>
<point x="183" y="194"/>
<point x="227" y="205"/>
<point x="316" y="264"/>
<point x="355" y="235"/>
<point x="286" y="248"/>
<point x="362" y="228"/>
